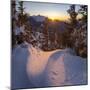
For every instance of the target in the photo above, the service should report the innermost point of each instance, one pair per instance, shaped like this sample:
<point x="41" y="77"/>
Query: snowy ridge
<point x="36" y="65"/>
<point x="19" y="62"/>
<point x="66" y="69"/>
<point x="39" y="18"/>
<point x="32" y="67"/>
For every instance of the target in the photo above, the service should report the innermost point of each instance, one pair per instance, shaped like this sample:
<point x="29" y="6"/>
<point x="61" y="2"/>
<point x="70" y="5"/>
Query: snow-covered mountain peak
<point x="38" y="18"/>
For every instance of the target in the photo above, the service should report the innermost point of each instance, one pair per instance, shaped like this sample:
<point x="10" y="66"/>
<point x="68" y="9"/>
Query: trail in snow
<point x="36" y="65"/>
<point x="55" y="72"/>
<point x="57" y="68"/>
<point x="32" y="67"/>
<point x="65" y="69"/>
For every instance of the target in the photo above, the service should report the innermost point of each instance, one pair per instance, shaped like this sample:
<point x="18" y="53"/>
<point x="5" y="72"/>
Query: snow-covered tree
<point x="13" y="5"/>
<point x="79" y="32"/>
<point x="21" y="9"/>
<point x="73" y="15"/>
<point x="83" y="12"/>
<point x="45" y="32"/>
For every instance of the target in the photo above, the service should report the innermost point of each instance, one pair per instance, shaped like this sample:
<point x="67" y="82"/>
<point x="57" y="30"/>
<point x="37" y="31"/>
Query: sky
<point x="51" y="10"/>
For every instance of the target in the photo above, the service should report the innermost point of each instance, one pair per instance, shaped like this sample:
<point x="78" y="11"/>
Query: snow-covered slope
<point x="36" y="65"/>
<point x="65" y="69"/>
<point x="19" y="61"/>
<point x="19" y="30"/>
<point x="32" y="67"/>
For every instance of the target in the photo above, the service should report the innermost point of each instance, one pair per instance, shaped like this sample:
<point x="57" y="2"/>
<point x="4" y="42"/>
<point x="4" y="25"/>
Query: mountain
<point x="38" y="18"/>
<point x="37" y="21"/>
<point x="58" y="26"/>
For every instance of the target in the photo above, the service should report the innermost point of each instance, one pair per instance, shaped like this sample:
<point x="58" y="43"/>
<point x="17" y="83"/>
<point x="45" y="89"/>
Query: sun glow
<point x="61" y="18"/>
<point x="56" y="16"/>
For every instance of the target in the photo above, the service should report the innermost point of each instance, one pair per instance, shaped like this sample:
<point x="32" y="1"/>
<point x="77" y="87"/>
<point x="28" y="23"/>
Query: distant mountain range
<point x="39" y="18"/>
<point x="36" y="21"/>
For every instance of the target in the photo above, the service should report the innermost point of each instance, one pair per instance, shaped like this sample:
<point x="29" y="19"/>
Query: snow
<point x="39" y="18"/>
<point x="55" y="72"/>
<point x="19" y="30"/>
<point x="19" y="62"/>
<point x="32" y="67"/>
<point x="75" y="69"/>
<point x="36" y="66"/>
<point x="16" y="15"/>
<point x="65" y="69"/>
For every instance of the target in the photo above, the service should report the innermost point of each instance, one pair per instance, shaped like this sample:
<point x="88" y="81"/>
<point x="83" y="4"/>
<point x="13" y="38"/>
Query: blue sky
<point x="53" y="11"/>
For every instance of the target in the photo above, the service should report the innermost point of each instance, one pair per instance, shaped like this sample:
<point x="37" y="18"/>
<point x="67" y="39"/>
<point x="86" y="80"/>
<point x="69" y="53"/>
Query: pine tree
<point x="21" y="12"/>
<point x="79" y="32"/>
<point x="72" y="26"/>
<point x="45" y="32"/>
<point x="21" y="9"/>
<point x="13" y="5"/>
<point x="83" y="11"/>
<point x="13" y="12"/>
<point x="73" y="15"/>
<point x="82" y="49"/>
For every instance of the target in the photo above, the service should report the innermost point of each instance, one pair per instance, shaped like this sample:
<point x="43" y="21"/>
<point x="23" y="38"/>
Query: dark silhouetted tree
<point x="21" y="9"/>
<point x="45" y="32"/>
<point x="13" y="12"/>
<point x="21" y="13"/>
<point x="83" y="11"/>
<point x="73" y="15"/>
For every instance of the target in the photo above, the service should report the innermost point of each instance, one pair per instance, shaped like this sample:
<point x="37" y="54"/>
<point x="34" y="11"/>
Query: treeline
<point x="78" y="35"/>
<point x="48" y="36"/>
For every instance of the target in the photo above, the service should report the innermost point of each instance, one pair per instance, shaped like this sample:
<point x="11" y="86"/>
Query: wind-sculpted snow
<point x="70" y="51"/>
<point x="65" y="69"/>
<point x="32" y="67"/>
<point x="19" y="61"/>
<point x="75" y="69"/>
<point x="36" y="66"/>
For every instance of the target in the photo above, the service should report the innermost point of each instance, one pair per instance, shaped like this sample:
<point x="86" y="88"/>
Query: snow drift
<point x="19" y="78"/>
<point x="32" y="67"/>
<point x="65" y="69"/>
